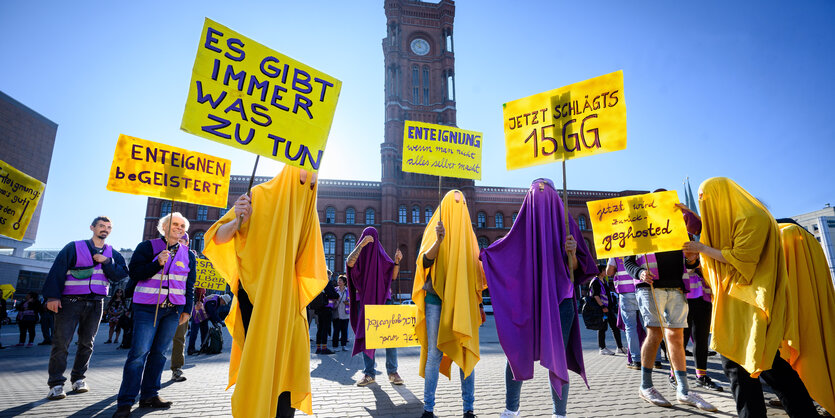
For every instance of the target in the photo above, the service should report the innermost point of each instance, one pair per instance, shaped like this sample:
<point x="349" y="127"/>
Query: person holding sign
<point x="275" y="265"/>
<point x="743" y="261"/>
<point x="162" y="286"/>
<point x="447" y="291"/>
<point x="370" y="272"/>
<point x="74" y="290"/>
<point x="533" y="296"/>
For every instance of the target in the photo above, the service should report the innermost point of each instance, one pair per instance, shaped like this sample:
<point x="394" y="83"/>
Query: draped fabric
<point x="369" y="282"/>
<point x="278" y="258"/>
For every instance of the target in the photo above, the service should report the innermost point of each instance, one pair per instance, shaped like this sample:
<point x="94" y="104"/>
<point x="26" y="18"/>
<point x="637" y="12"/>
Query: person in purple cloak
<point x="533" y="296"/>
<point x="370" y="272"/>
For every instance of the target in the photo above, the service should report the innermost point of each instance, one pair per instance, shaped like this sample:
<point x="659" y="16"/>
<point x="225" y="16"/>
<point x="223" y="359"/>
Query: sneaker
<point x="79" y="386"/>
<point x="326" y="351"/>
<point x="509" y="414"/>
<point x="557" y="416"/>
<point x="622" y="350"/>
<point x="56" y="392"/>
<point x="395" y="379"/>
<point x="705" y="383"/>
<point x="693" y="399"/>
<point x="29" y="345"/>
<point x="634" y="365"/>
<point x="652" y="396"/>
<point x="469" y="414"/>
<point x="19" y="345"/>
<point x="673" y="382"/>
<point x="344" y="348"/>
<point x="606" y="352"/>
<point x="427" y="414"/>
<point x="365" y="381"/>
<point x="177" y="376"/>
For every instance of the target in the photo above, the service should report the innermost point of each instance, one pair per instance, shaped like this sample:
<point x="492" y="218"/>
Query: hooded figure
<point x="369" y="281"/>
<point x="528" y="276"/>
<point x="278" y="258"/>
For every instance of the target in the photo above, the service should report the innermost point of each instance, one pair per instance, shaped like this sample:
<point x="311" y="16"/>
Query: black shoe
<point x="634" y="365"/>
<point x="658" y="364"/>
<point x="155" y="402"/>
<point x="45" y="343"/>
<point x="706" y="383"/>
<point x="122" y="412"/>
<point x="673" y="383"/>
<point x="469" y="414"/>
<point x="191" y="351"/>
<point x="688" y="353"/>
<point x="427" y="414"/>
<point x="326" y="351"/>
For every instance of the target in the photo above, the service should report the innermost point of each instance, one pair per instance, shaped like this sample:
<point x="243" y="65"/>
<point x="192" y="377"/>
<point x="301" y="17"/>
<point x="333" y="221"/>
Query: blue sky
<point x="735" y="89"/>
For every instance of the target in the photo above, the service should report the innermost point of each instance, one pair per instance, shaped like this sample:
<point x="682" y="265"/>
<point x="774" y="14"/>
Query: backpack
<point x="592" y="314"/>
<point x="213" y="344"/>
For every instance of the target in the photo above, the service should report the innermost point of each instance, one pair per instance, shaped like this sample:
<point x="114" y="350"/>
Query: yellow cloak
<point x="458" y="279"/>
<point x="750" y="292"/>
<point x="278" y="257"/>
<point x="812" y="295"/>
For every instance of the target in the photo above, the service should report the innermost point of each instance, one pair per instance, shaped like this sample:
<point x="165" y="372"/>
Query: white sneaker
<point x="652" y="396"/>
<point x="79" y="386"/>
<point x="557" y="416"/>
<point x="56" y="392"/>
<point x="693" y="399"/>
<point x="509" y="414"/>
<point x="606" y="352"/>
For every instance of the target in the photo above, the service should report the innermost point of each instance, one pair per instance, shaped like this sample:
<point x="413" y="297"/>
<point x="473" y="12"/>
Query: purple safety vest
<point x="696" y="287"/>
<point x="95" y="284"/>
<point x="170" y="280"/>
<point x="604" y="293"/>
<point x="623" y="281"/>
<point x="647" y="261"/>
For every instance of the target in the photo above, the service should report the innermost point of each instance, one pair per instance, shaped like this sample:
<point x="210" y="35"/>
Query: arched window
<point x="330" y="250"/>
<point x="499" y="219"/>
<point x="350" y="216"/>
<point x="513" y="220"/>
<point x="415" y="214"/>
<point x="196" y="242"/>
<point x="330" y="216"/>
<point x="483" y="242"/>
<point x="202" y="213"/>
<point x="427" y="214"/>
<point x="401" y="214"/>
<point x="425" y="85"/>
<point x="415" y="85"/>
<point x="369" y="216"/>
<point x="349" y="241"/>
<point x="581" y="222"/>
<point x="165" y="208"/>
<point x="482" y="220"/>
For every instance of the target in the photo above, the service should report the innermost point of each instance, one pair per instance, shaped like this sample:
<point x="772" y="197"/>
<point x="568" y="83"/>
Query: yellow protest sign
<point x="7" y="290"/>
<point x="641" y="224"/>
<point x="208" y="277"/>
<point x="158" y="170"/>
<point x="388" y="326"/>
<point x="577" y="120"/>
<point x="248" y="96"/>
<point x="19" y="196"/>
<point x="441" y="150"/>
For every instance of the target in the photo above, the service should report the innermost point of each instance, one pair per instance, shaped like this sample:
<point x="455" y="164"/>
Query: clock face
<point x="420" y="46"/>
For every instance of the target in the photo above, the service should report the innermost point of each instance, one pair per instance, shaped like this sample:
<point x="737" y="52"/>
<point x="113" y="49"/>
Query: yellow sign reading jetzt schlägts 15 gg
<point x="208" y="277"/>
<point x="19" y="196"/>
<point x="389" y="326"/>
<point x="577" y="120"/>
<point x="640" y="224"/>
<point x="441" y="150"/>
<point x="158" y="170"/>
<point x="248" y="96"/>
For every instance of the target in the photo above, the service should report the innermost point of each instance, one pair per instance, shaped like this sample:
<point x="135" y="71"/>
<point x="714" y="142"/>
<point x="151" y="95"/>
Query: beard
<point x="102" y="235"/>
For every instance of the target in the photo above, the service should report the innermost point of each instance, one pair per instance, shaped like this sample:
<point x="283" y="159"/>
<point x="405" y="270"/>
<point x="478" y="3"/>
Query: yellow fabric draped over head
<point x="812" y="295"/>
<point x="278" y="258"/>
<point x="750" y="311"/>
<point x="458" y="279"/>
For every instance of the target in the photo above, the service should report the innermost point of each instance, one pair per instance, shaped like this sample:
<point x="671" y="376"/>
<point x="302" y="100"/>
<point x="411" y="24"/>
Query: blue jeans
<point x="513" y="388"/>
<point x="433" y="364"/>
<point x="149" y="343"/>
<point x="391" y="363"/>
<point x="628" y="305"/>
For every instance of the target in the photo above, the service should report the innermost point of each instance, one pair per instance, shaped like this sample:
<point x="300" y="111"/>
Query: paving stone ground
<point x="613" y="387"/>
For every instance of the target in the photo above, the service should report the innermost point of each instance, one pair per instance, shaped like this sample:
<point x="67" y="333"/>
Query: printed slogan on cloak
<point x="389" y="326"/>
<point x="19" y="196"/>
<point x="441" y="150"/>
<point x="641" y="224"/>
<point x="152" y="169"/>
<point x="248" y="96"/>
<point x="208" y="277"/>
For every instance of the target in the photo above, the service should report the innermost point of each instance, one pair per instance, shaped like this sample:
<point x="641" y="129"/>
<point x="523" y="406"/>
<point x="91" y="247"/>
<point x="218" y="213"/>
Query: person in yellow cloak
<point x="743" y="261"/>
<point x="811" y="293"/>
<point x="447" y="290"/>
<point x="275" y="265"/>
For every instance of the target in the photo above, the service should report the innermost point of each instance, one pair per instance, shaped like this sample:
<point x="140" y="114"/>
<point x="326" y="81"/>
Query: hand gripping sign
<point x="248" y="96"/>
<point x="19" y="196"/>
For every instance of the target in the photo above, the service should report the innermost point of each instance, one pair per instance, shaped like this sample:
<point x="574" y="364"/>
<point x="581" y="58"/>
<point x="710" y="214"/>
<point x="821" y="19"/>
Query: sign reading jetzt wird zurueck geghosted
<point x="248" y="96"/>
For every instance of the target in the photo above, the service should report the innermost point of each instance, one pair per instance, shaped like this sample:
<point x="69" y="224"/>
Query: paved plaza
<point x="613" y="391"/>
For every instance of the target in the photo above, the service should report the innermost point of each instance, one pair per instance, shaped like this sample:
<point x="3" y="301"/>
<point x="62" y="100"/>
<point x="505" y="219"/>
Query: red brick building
<point x="419" y="57"/>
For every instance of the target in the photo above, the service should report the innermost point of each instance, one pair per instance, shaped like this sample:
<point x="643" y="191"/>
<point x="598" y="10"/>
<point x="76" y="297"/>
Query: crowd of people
<point x="756" y="291"/>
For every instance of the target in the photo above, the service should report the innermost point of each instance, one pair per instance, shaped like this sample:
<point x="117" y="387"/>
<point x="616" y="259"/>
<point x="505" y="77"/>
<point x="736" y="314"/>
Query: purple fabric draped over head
<point x="369" y="282"/>
<point x="528" y="277"/>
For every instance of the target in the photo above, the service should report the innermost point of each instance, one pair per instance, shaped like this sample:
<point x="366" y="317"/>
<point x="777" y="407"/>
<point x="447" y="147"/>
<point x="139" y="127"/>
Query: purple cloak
<point x="369" y="283"/>
<point x="528" y="277"/>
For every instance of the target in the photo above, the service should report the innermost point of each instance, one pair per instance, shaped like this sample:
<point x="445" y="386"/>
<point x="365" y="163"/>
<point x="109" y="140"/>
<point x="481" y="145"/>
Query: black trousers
<point x="340" y="329"/>
<point x="324" y="325"/>
<point x="27" y="327"/>
<point x="748" y="392"/>
<point x="612" y="320"/>
<point x="698" y="325"/>
<point x="284" y="410"/>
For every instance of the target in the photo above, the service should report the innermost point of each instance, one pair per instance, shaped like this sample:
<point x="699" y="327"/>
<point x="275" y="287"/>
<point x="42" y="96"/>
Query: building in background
<point x="26" y="142"/>
<point x="419" y="59"/>
<point x="821" y="224"/>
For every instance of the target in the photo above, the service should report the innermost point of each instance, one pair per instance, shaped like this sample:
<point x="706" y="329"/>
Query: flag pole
<point x="159" y="290"/>
<point x="565" y="211"/>
<point x="249" y="189"/>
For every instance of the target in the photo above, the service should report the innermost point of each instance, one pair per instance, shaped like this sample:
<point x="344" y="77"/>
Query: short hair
<point x="100" y="218"/>
<point x="161" y="225"/>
